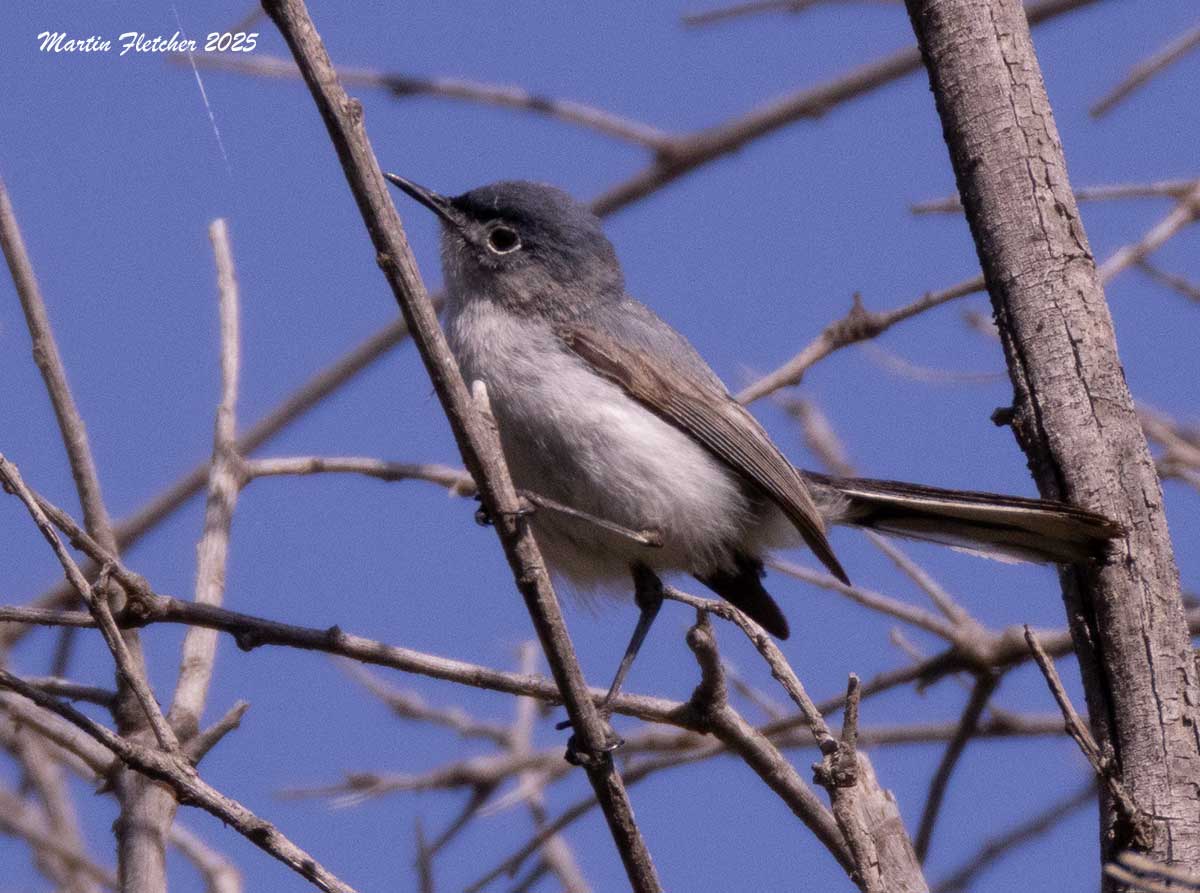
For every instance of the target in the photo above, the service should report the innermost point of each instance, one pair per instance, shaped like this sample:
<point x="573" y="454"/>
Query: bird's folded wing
<point x="715" y="420"/>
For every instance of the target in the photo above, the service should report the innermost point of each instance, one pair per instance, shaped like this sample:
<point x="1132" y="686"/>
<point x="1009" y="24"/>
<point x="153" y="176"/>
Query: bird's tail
<point x="1007" y="528"/>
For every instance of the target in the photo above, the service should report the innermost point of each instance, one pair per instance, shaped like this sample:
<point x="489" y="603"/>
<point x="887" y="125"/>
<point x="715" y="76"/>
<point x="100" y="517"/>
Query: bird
<point x="612" y="415"/>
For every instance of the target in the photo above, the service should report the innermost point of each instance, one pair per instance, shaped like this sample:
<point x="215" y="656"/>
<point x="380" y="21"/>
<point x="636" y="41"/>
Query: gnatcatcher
<point x="604" y="408"/>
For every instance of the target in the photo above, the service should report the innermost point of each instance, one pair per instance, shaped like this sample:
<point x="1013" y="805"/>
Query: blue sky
<point x="115" y="173"/>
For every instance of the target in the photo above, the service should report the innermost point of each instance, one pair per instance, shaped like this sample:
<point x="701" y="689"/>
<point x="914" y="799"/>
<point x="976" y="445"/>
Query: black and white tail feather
<point x="1004" y="528"/>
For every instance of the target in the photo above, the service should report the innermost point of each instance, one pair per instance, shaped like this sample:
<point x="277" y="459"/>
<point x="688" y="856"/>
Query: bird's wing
<point x="705" y="412"/>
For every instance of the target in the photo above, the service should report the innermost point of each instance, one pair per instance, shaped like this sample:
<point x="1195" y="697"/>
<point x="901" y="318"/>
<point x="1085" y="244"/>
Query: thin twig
<point x="181" y="776"/>
<point x="402" y="86"/>
<point x="50" y="364"/>
<point x="19" y="818"/>
<point x="208" y="738"/>
<point x="557" y="857"/>
<point x="74" y="691"/>
<point x="951" y="609"/>
<point x="952" y="204"/>
<point x="838" y="773"/>
<point x="1141" y="73"/>
<point x="996" y="847"/>
<point x="1134" y="883"/>
<point x="424" y="859"/>
<point x="691" y="152"/>
<point x="220" y="875"/>
<point x="898" y="365"/>
<point x="45" y="776"/>
<point x="781" y="670"/>
<point x="410" y="705"/>
<point x="1181" y="284"/>
<point x="818" y="432"/>
<point x="453" y="479"/>
<point x="756" y="7"/>
<point x="1175" y="875"/>
<point x="1141" y="828"/>
<point x="88" y="758"/>
<point x="457" y="481"/>
<point x="1185" y="212"/>
<point x="200" y="645"/>
<point x="876" y="601"/>
<point x="985" y="684"/>
<point x="711" y="705"/>
<point x="858" y="324"/>
<point x="127" y="666"/>
<point x="324" y="383"/>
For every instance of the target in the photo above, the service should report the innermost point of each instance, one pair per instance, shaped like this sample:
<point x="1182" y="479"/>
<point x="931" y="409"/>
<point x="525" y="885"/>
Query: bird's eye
<point x="503" y="239"/>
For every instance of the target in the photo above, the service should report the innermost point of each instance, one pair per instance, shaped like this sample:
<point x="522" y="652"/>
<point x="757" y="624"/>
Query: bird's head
<point x="528" y="246"/>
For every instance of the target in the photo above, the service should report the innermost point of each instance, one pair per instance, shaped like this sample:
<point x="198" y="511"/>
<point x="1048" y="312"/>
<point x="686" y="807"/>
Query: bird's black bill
<point x="434" y="201"/>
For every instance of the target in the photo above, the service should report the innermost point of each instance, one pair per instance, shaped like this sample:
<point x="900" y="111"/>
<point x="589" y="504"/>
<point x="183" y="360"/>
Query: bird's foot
<point x="577" y="755"/>
<point x="484" y="518"/>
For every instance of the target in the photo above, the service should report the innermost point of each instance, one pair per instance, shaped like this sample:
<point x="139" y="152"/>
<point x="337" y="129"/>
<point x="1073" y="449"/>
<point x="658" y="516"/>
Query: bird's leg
<point x="648" y="593"/>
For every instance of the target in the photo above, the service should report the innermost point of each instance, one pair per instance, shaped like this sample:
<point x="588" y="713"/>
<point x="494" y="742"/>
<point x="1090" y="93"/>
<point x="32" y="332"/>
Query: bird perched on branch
<point x="606" y="410"/>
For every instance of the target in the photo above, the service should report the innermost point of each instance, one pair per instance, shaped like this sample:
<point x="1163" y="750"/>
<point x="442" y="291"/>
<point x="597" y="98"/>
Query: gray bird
<point x="606" y="409"/>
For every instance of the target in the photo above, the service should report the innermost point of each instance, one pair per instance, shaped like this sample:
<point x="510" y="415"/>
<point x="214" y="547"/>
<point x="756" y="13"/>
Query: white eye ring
<point x="503" y="240"/>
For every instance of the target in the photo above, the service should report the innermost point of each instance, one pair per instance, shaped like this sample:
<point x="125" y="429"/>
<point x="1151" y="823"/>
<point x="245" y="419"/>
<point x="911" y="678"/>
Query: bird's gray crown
<point x="562" y="260"/>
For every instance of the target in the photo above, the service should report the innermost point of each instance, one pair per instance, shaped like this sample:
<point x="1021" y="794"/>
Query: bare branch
<point x="985" y="684"/>
<point x="477" y="441"/>
<point x="206" y="739"/>
<point x="424" y="860"/>
<point x="20" y="819"/>
<point x="44" y="775"/>
<point x="996" y="847"/>
<point x="756" y="7"/>
<point x="176" y="772"/>
<point x="1175" y="877"/>
<point x="867" y="814"/>
<point x="49" y="363"/>
<point x="819" y="435"/>
<point x="951" y="610"/>
<point x="457" y="481"/>
<point x="94" y="760"/>
<point x="690" y="152"/>
<point x="200" y="645"/>
<point x="1185" y="212"/>
<point x="402" y="86"/>
<point x="710" y="704"/>
<point x="857" y="325"/>
<point x="453" y="479"/>
<point x="128" y="665"/>
<point x="876" y="601"/>
<point x="1176" y="189"/>
<point x="894" y="363"/>
<point x="557" y="857"/>
<point x="220" y="875"/>
<point x="410" y="705"/>
<point x="1141" y="73"/>
<point x="74" y="691"/>
<point x="1181" y="284"/>
<point x="1141" y="829"/>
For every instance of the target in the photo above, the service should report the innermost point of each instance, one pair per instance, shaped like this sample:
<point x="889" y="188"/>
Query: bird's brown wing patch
<point x="715" y="420"/>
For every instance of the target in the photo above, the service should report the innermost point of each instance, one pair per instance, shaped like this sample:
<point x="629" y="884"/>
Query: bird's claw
<point x="484" y="518"/>
<point x="577" y="755"/>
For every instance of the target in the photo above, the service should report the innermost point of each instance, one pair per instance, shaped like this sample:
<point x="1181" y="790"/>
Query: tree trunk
<point x="1073" y="414"/>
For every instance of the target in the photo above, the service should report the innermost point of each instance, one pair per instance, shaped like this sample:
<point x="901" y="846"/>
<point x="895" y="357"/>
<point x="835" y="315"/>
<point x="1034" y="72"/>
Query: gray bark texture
<point x="1073" y="415"/>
